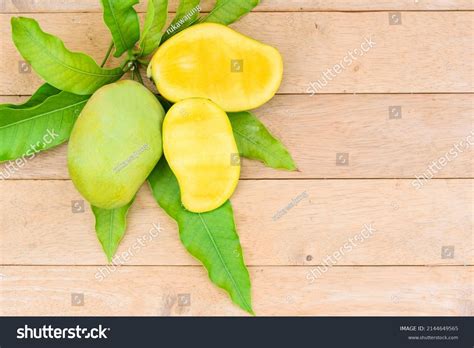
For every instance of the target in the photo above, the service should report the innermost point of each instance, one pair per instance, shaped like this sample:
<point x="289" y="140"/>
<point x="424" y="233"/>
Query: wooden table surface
<point x="359" y="143"/>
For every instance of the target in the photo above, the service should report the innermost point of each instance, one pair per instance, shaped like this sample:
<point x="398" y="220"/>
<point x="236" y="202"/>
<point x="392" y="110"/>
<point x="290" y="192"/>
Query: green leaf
<point x="155" y="20"/>
<point x="186" y="15"/>
<point x="255" y="142"/>
<point x="122" y="21"/>
<point x="45" y="91"/>
<point x="229" y="11"/>
<point x="110" y="226"/>
<point x="164" y="102"/>
<point x="24" y="132"/>
<point x="210" y="237"/>
<point x="69" y="71"/>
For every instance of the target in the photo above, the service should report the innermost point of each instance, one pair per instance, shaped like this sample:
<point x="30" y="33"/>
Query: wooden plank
<point x="371" y="222"/>
<point x="183" y="291"/>
<point x="25" y="6"/>
<point x="311" y="43"/>
<point x="315" y="129"/>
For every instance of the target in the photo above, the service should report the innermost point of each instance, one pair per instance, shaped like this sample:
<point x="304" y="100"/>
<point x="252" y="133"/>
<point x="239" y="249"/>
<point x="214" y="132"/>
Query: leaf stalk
<point x="107" y="55"/>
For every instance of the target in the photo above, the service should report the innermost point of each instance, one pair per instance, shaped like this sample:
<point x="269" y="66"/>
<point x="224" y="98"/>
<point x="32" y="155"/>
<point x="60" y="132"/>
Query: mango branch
<point x="139" y="76"/>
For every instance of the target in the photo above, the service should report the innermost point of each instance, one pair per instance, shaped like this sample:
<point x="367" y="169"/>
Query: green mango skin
<point x="115" y="143"/>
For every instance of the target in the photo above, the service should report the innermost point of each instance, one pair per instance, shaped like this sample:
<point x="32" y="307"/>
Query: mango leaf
<point x="69" y="71"/>
<point x="24" y="132"/>
<point x="186" y="15"/>
<point x="122" y="21"/>
<point x="211" y="237"/>
<point x="229" y="11"/>
<point x="164" y="102"/>
<point x="110" y="226"/>
<point x="254" y="141"/>
<point x="155" y="20"/>
<point x="45" y="91"/>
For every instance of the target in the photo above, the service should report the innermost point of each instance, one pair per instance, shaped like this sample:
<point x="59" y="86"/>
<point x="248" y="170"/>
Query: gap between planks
<point x="263" y="11"/>
<point x="318" y="94"/>
<point x="248" y="266"/>
<point x="276" y="179"/>
<point x="91" y="6"/>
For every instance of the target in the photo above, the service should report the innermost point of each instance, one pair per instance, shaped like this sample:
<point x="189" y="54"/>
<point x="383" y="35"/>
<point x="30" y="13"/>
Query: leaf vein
<point x="262" y="148"/>
<point x="117" y="24"/>
<point x="43" y="114"/>
<point x="110" y="231"/>
<point x="211" y="237"/>
<point x="38" y="43"/>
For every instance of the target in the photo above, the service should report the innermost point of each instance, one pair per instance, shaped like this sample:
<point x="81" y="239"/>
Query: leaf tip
<point x="109" y="257"/>
<point x="109" y="251"/>
<point x="14" y="21"/>
<point x="19" y="19"/>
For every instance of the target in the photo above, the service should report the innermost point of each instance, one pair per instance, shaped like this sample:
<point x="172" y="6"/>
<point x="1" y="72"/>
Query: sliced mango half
<point x="200" y="148"/>
<point x="215" y="62"/>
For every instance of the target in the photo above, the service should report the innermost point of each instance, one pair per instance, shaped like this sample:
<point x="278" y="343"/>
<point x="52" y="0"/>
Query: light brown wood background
<point x="419" y="260"/>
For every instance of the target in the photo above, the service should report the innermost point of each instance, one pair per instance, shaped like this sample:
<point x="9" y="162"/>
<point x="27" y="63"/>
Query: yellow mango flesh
<point x="199" y="146"/>
<point x="215" y="62"/>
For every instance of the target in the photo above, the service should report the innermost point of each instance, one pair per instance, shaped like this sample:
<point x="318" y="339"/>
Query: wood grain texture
<point x="411" y="226"/>
<point x="15" y="6"/>
<point x="310" y="43"/>
<point x="152" y="291"/>
<point x="419" y="259"/>
<point x="316" y="128"/>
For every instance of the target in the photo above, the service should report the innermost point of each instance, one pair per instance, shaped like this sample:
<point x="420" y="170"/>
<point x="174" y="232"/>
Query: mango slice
<point x="115" y="143"/>
<point x="201" y="151"/>
<point x="215" y="62"/>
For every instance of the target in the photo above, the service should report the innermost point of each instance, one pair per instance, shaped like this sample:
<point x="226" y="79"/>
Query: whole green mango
<point x="115" y="143"/>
